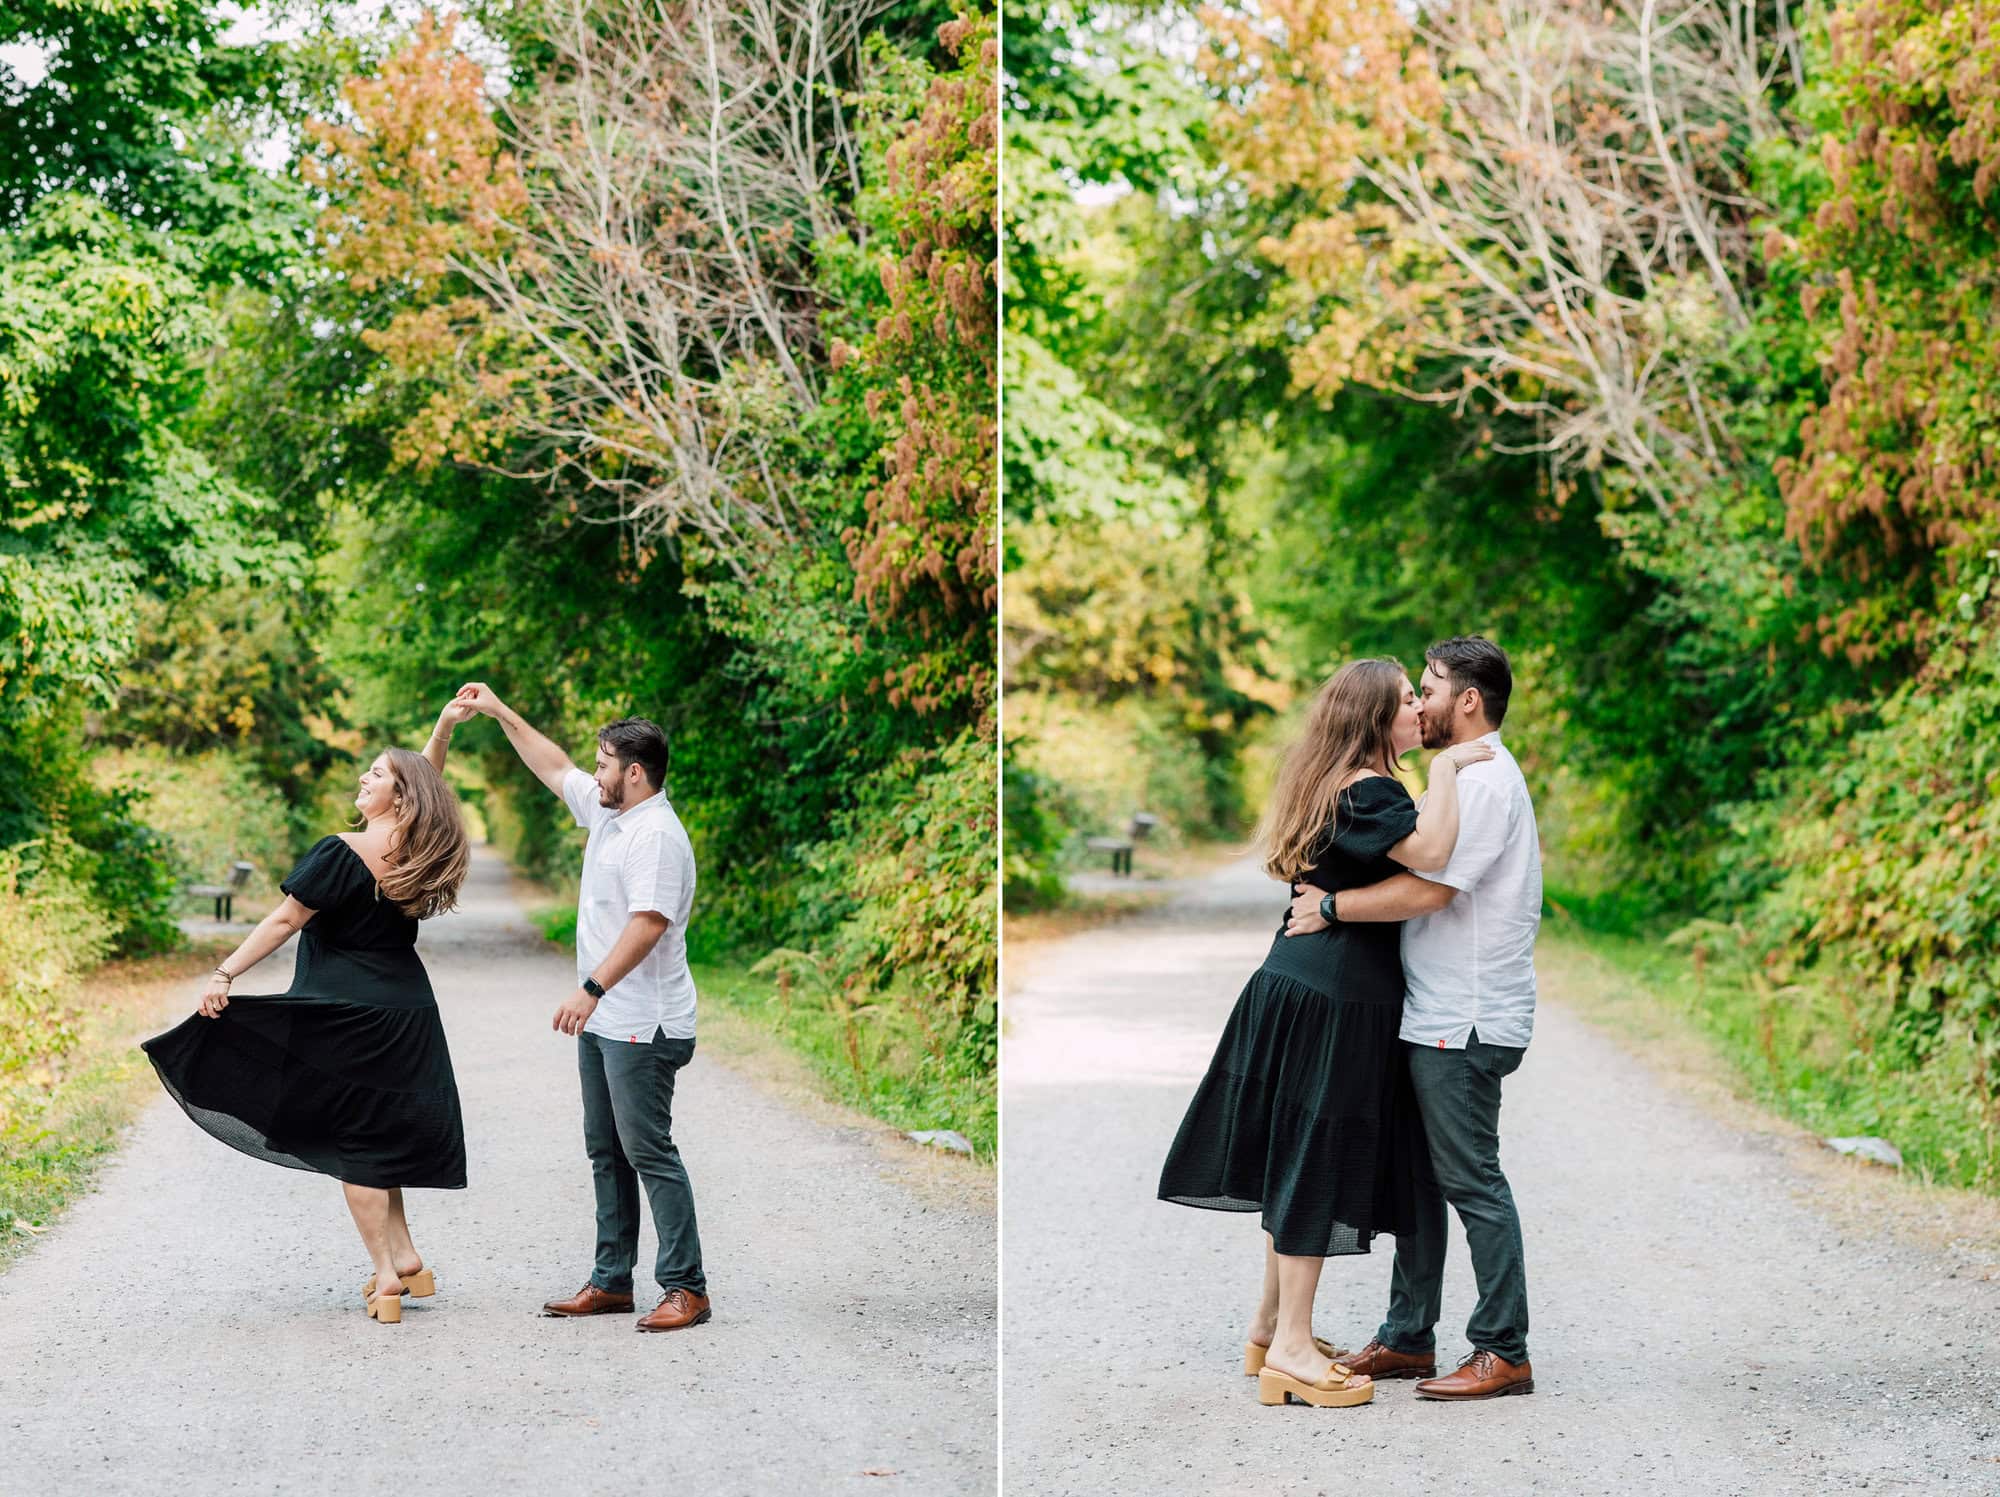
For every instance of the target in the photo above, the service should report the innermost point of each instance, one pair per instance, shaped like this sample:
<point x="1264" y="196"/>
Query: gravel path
<point x="1698" y="1326"/>
<point x="195" y="1324"/>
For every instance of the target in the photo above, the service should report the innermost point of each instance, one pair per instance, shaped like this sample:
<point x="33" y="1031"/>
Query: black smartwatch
<point x="1327" y="911"/>
<point x="590" y="986"/>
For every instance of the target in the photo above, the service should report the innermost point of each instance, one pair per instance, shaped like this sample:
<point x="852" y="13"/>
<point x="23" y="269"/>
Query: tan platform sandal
<point x="420" y="1285"/>
<point x="1253" y="1355"/>
<point x="1339" y="1389"/>
<point x="387" y="1308"/>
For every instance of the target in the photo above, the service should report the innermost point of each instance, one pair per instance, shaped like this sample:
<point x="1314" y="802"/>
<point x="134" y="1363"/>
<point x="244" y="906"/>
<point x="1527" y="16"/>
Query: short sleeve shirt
<point x="636" y="859"/>
<point x="1471" y="966"/>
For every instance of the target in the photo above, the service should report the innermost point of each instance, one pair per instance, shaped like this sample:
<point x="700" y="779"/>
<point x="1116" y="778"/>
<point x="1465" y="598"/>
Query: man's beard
<point x="614" y="798"/>
<point x="1437" y="734"/>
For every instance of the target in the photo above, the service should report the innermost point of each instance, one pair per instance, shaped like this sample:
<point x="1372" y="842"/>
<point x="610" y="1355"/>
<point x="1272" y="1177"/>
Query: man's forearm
<point x="1403" y="897"/>
<point x="640" y="935"/>
<point x="548" y="762"/>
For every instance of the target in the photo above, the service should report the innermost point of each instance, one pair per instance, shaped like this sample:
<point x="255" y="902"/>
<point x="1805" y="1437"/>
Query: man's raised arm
<point x="548" y="762"/>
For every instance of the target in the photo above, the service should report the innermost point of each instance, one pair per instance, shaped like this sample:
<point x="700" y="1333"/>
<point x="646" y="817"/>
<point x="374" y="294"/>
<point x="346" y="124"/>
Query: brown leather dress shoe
<point x="1481" y="1375"/>
<point x="678" y="1308"/>
<point x="589" y="1300"/>
<point x="1379" y="1362"/>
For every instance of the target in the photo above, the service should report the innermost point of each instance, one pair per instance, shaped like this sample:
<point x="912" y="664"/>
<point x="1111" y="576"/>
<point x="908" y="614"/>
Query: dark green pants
<point x="628" y="1112"/>
<point x="1458" y="1092"/>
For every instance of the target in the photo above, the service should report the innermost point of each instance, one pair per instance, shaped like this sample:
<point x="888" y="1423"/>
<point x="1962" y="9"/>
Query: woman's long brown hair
<point x="1348" y="727"/>
<point x="428" y="851"/>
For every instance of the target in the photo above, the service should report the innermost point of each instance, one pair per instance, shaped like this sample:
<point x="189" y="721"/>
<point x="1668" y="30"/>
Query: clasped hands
<point x="472" y="697"/>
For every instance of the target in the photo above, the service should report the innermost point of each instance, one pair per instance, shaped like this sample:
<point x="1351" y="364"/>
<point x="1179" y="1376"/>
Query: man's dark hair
<point x="1469" y="661"/>
<point x="637" y="740"/>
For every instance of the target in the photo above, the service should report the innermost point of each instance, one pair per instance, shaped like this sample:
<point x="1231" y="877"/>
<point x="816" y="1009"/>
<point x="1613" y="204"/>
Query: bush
<point x="93" y="836"/>
<point x="211" y="809"/>
<point x="1032" y="837"/>
<point x="1873" y="952"/>
<point x="50" y="934"/>
<point x="1100" y="763"/>
<point x="925" y="928"/>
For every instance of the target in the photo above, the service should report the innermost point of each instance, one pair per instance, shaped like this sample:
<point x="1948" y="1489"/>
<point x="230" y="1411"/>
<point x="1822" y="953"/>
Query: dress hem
<point x="270" y="1153"/>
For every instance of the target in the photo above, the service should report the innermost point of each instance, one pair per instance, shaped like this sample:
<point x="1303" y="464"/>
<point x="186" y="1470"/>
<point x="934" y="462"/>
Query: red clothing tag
<point x="1440" y="1044"/>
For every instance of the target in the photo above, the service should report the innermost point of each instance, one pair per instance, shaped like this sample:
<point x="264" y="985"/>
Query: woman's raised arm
<point x="1429" y="847"/>
<point x="455" y="712"/>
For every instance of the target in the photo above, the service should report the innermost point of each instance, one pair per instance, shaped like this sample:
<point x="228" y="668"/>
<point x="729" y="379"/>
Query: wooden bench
<point x="1120" y="848"/>
<point x="224" y="895"/>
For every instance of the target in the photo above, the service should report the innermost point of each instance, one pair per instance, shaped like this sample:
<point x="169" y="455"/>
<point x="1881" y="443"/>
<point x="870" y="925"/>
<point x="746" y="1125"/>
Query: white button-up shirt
<point x="636" y="859"/>
<point x="1471" y="966"/>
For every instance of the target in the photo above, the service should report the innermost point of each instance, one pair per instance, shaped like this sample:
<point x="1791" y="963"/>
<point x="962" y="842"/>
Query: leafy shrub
<point x="925" y="929"/>
<point x="50" y="934"/>
<point x="1112" y="760"/>
<point x="211" y="809"/>
<point x="1875" y="944"/>
<point x="94" y="836"/>
<point x="1032" y="837"/>
<point x="229" y="668"/>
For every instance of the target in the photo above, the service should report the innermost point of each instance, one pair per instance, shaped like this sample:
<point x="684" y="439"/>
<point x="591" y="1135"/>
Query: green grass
<point x="69" y="1124"/>
<point x="877" y="1064"/>
<point x="1794" y="1050"/>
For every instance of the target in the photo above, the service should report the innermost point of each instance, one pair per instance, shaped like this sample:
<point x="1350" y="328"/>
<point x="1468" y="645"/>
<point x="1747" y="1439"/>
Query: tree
<point x="1537" y="211"/>
<point x="1895" y="488"/>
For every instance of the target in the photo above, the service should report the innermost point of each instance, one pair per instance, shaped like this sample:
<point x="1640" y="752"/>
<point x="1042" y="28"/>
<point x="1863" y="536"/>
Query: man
<point x="633" y="1009"/>
<point x="1468" y="1013"/>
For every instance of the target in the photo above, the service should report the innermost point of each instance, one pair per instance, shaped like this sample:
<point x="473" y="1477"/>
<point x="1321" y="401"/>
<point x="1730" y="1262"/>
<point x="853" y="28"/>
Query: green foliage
<point x="211" y="809"/>
<point x="231" y="669"/>
<point x="925" y="930"/>
<point x="100" y="498"/>
<point x="86" y="836"/>
<point x="1127" y="386"/>
<point x="1032" y="834"/>
<point x="1893" y="488"/>
<point x="50" y="935"/>
<point x="1873" y="931"/>
<point x="126" y="200"/>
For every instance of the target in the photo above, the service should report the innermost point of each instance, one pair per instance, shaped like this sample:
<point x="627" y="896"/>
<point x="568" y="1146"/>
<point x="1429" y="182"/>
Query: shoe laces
<point x="1480" y="1361"/>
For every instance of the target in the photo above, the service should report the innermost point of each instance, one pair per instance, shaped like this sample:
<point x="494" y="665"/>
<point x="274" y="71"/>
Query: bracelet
<point x="225" y="976"/>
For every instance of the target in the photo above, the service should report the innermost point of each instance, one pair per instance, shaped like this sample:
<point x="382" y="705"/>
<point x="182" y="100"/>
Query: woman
<point x="346" y="1072"/>
<point x="1306" y="1113"/>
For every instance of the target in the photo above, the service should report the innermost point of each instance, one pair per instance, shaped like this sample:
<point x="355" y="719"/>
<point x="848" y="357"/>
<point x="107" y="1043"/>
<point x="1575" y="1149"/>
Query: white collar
<point x="657" y="798"/>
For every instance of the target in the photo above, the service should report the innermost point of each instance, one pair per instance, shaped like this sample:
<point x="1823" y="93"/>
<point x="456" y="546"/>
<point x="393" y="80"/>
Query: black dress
<point x="347" y="1071"/>
<point x="1307" y="1111"/>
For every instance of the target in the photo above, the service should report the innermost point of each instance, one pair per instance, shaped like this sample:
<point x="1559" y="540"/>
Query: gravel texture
<point x="1699" y="1325"/>
<point x="195" y="1325"/>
